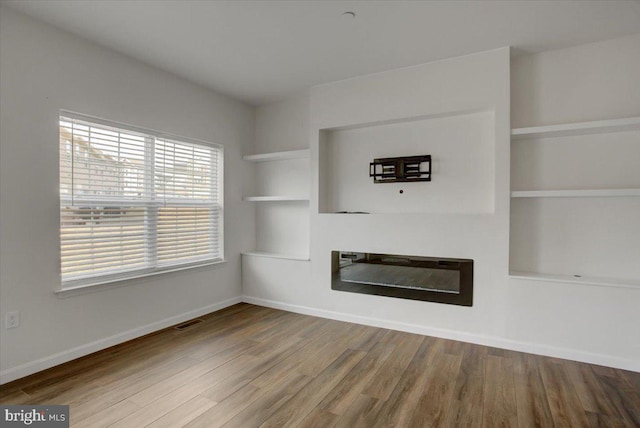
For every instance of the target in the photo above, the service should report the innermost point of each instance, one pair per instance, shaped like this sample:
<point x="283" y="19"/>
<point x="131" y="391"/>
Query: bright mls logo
<point x="35" y="416"/>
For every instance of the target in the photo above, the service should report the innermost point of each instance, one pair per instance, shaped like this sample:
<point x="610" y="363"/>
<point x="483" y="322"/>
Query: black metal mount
<point x="401" y="169"/>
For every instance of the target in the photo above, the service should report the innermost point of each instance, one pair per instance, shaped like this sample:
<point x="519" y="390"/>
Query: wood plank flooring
<point x="250" y="366"/>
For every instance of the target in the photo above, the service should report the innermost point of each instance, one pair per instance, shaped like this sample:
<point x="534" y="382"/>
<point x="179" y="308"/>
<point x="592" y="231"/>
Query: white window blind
<point x="134" y="202"/>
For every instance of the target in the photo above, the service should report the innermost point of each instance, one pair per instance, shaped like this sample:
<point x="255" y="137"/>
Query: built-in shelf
<point x="583" y="233"/>
<point x="573" y="279"/>
<point x="282" y="186"/>
<point x="581" y="128"/>
<point x="274" y="198"/>
<point x="277" y="255"/>
<point x="275" y="156"/>
<point x="586" y="193"/>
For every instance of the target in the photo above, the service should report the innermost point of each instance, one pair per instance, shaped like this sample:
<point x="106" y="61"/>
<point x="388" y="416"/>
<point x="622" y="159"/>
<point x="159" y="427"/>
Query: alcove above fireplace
<point x="427" y="164"/>
<point x="434" y="279"/>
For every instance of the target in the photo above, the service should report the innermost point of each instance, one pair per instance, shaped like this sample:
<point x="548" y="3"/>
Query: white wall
<point x="588" y="82"/>
<point x="461" y="148"/>
<point x="283" y="125"/>
<point x="282" y="227"/>
<point x="587" y="323"/>
<point x="468" y="84"/>
<point x="42" y="71"/>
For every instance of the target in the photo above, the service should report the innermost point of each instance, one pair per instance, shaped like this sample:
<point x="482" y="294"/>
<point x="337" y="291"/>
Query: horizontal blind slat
<point x="130" y="199"/>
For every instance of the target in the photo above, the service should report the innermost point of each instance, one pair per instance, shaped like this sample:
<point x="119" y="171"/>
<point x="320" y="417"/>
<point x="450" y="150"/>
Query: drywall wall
<point x="583" y="83"/>
<point x="282" y="227"/>
<point x="44" y="70"/>
<point x="588" y="237"/>
<point x="594" y="81"/>
<point x="451" y="88"/>
<point x="283" y="125"/>
<point x="461" y="149"/>
<point x="576" y="236"/>
<point x="476" y="82"/>
<point x="586" y="323"/>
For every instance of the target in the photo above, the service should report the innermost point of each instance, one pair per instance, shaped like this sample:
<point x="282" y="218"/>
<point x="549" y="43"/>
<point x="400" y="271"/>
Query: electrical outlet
<point x="12" y="319"/>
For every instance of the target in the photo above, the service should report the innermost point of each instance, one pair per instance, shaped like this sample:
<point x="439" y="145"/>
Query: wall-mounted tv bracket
<point x="401" y="169"/>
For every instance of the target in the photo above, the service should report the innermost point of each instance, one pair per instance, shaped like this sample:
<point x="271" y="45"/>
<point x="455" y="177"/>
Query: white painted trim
<point x="299" y="257"/>
<point x="581" y="128"/>
<point x="497" y="342"/>
<point x="580" y="280"/>
<point x="32" y="367"/>
<point x="276" y="156"/>
<point x="274" y="198"/>
<point x="102" y="284"/>
<point x="581" y="193"/>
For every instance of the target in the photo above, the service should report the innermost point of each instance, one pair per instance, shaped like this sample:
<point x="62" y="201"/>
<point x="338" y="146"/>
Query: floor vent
<point x="186" y="325"/>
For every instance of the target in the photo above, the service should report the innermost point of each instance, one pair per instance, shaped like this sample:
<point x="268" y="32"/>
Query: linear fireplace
<point x="434" y="279"/>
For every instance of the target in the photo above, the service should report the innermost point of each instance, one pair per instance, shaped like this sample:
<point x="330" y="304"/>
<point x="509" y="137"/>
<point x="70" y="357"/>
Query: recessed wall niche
<point x="462" y="148"/>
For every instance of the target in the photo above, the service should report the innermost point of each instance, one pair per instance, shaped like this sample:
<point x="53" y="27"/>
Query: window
<point x="135" y="202"/>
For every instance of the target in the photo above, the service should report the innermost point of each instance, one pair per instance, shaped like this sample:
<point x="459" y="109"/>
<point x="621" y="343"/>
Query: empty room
<point x="319" y="213"/>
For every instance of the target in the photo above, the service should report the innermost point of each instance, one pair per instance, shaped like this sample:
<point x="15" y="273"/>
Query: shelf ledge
<point x="274" y="198"/>
<point x="275" y="156"/>
<point x="582" y="280"/>
<point x="276" y="255"/>
<point x="586" y="193"/>
<point x="580" y="128"/>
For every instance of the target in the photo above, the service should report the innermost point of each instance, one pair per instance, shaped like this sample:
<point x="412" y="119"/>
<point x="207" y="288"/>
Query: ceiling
<point x="262" y="51"/>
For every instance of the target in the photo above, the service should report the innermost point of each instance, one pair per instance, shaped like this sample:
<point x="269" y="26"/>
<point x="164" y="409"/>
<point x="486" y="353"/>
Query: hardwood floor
<point x="249" y="366"/>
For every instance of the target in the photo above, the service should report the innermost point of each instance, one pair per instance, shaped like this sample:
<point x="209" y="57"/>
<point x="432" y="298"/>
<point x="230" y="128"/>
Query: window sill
<point x="107" y="284"/>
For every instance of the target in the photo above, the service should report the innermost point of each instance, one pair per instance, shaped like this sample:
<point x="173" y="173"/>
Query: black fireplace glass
<point x="436" y="279"/>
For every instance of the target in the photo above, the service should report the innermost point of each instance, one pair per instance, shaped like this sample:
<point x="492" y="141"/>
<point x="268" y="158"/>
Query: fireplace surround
<point x="434" y="279"/>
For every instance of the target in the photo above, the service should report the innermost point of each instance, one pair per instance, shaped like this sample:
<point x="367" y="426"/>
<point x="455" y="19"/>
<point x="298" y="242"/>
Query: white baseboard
<point x="32" y="367"/>
<point x="497" y="342"/>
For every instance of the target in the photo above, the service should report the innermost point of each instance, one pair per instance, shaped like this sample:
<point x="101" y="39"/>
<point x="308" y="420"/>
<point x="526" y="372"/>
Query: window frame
<point x="147" y="271"/>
